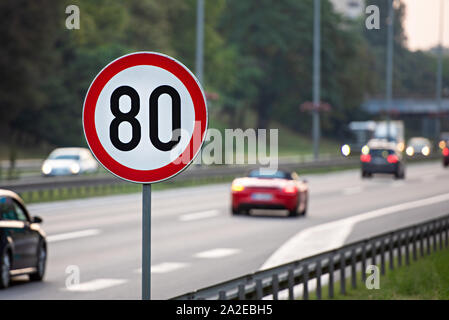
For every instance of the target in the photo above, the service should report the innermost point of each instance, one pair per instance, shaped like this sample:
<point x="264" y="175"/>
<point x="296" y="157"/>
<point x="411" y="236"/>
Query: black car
<point x="446" y="156"/>
<point x="383" y="160"/>
<point x="23" y="248"/>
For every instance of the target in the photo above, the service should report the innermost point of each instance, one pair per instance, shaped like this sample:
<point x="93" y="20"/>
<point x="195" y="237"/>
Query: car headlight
<point x="442" y="144"/>
<point x="401" y="146"/>
<point x="75" y="168"/>
<point x="425" y="151"/>
<point x="236" y="187"/>
<point x="346" y="150"/>
<point x="365" y="149"/>
<point x="46" y="168"/>
<point x="410" y="151"/>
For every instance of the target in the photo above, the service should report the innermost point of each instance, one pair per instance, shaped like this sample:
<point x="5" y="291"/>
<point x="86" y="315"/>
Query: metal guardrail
<point x="50" y="184"/>
<point x="393" y="248"/>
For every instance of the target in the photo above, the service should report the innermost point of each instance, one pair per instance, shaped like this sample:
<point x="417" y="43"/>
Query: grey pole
<point x="439" y="83"/>
<point x="316" y="77"/>
<point x="389" y="73"/>
<point x="146" y="242"/>
<point x="199" y="60"/>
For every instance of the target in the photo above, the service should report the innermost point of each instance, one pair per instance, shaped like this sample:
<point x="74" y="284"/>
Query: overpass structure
<point x="419" y="114"/>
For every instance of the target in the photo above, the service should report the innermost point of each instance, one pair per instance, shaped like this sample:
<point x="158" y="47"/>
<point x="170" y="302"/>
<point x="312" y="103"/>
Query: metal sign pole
<point x="146" y="242"/>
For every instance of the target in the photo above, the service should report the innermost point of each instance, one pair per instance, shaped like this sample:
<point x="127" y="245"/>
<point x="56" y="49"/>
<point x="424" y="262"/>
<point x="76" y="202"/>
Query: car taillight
<point x="290" y="189"/>
<point x="365" y="158"/>
<point x="392" y="158"/>
<point x="446" y="152"/>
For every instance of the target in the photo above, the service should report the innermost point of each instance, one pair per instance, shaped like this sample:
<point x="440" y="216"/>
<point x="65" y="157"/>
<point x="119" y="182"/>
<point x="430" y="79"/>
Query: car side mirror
<point x="37" y="219"/>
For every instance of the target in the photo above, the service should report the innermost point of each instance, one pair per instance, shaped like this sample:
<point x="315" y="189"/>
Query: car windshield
<point x="65" y="157"/>
<point x="264" y="175"/>
<point x="384" y="153"/>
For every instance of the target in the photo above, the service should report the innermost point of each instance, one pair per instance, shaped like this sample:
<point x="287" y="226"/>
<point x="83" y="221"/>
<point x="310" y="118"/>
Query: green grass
<point x="424" y="279"/>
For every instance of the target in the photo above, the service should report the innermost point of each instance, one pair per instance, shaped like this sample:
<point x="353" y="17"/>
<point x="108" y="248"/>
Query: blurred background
<point x="257" y="66"/>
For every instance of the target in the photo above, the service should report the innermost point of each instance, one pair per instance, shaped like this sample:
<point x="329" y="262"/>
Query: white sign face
<point x="145" y="117"/>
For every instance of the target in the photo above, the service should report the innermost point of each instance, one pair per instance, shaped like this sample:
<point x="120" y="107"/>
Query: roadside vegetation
<point x="424" y="279"/>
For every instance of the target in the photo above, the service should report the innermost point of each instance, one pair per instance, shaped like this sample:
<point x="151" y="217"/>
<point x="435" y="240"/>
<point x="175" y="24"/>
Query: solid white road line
<point x="165" y="267"/>
<point x="216" y="253"/>
<point x="95" y="285"/>
<point x="333" y="234"/>
<point x="73" y="235"/>
<point x="199" y="215"/>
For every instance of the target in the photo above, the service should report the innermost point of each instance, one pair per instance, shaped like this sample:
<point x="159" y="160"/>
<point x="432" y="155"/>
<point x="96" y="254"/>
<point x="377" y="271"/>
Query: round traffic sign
<point x="145" y="117"/>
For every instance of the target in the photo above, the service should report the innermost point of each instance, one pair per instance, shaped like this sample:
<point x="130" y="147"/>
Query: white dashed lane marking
<point x="199" y="215"/>
<point x="95" y="285"/>
<point x="73" y="235"/>
<point x="165" y="267"/>
<point x="352" y="190"/>
<point x="217" y="253"/>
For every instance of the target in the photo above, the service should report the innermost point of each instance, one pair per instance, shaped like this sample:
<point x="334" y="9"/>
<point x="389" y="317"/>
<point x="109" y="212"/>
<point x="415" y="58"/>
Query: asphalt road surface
<point x="196" y="242"/>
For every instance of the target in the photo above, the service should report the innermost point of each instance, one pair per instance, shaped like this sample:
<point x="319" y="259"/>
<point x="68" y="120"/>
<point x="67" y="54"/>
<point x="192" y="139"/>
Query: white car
<point x="69" y="161"/>
<point x="419" y="146"/>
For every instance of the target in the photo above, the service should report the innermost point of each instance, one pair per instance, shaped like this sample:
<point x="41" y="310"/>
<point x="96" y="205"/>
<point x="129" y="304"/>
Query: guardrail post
<point x="318" y="278"/>
<point x="382" y="256"/>
<point x="373" y="253"/>
<point x="342" y="273"/>
<point x="275" y="286"/>
<point x="435" y="231"/>
<point x="364" y="261"/>
<point x="291" y="284"/>
<point x="399" y="249"/>
<point x="421" y="241"/>
<point x="391" y="251"/>
<point x="414" y="243"/>
<point x="428" y="236"/>
<point x="353" y="269"/>
<point x="241" y="291"/>
<point x="305" y="277"/>
<point x="446" y="231"/>
<point x="331" y="276"/>
<point x="407" y="247"/>
<point x="440" y="234"/>
<point x="259" y="290"/>
<point x="222" y="295"/>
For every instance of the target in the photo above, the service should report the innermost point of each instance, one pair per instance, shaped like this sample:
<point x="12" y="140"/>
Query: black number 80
<point x="130" y="117"/>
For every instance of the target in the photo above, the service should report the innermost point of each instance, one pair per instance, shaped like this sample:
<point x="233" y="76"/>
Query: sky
<point x="422" y="23"/>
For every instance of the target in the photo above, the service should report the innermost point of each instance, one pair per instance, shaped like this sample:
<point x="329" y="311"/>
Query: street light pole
<point x="389" y="71"/>
<point x="439" y="83"/>
<point x="316" y="77"/>
<point x="199" y="59"/>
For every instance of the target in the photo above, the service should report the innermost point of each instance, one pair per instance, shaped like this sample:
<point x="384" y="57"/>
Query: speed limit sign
<point x="145" y="117"/>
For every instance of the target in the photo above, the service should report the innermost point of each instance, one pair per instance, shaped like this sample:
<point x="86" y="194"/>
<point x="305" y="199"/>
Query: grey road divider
<point x="50" y="187"/>
<point x="388" y="251"/>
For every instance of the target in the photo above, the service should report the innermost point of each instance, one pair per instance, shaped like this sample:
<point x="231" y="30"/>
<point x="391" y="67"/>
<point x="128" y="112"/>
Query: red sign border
<point x="199" y="102"/>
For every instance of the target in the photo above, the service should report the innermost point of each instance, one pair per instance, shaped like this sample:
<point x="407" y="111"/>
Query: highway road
<point x="196" y="242"/>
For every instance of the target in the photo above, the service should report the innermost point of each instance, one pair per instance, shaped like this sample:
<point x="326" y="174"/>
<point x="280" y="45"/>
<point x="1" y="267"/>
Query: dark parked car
<point x="383" y="157"/>
<point x="23" y="248"/>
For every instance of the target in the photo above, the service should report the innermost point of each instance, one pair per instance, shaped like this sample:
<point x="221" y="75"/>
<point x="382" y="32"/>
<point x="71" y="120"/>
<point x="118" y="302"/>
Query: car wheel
<point x="5" y="267"/>
<point x="304" y="212"/>
<point x="237" y="211"/>
<point x="294" y="212"/>
<point x="41" y="262"/>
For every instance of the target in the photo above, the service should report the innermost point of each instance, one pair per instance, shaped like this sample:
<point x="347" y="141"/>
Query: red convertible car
<point x="278" y="190"/>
